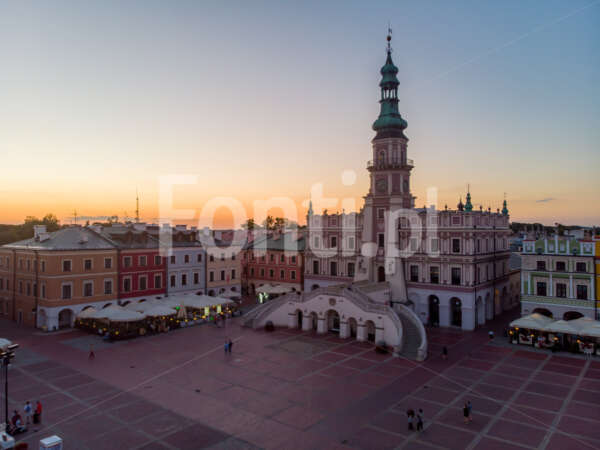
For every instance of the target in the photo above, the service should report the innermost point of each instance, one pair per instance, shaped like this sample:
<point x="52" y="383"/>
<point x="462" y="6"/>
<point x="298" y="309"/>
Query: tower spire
<point x="468" y="204"/>
<point x="137" y="206"/>
<point x="504" y="206"/>
<point x="389" y="123"/>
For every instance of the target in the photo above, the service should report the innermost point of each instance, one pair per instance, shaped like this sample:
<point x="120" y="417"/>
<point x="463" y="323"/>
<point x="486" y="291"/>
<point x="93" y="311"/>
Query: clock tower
<point x="389" y="172"/>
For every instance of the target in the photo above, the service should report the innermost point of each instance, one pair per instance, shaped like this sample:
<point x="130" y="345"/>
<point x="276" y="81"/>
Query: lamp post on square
<point x="7" y="353"/>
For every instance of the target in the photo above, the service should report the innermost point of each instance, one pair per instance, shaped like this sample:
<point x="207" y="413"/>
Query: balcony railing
<point x="390" y="163"/>
<point x="542" y="299"/>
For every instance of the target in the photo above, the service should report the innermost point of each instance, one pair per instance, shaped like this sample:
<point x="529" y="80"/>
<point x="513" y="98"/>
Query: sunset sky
<point x="265" y="99"/>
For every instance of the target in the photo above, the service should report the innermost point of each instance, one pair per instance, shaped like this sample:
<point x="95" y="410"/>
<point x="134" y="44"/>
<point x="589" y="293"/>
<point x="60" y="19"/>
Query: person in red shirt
<point x="37" y="418"/>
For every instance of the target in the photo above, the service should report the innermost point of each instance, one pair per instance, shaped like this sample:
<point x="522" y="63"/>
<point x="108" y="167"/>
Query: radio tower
<point x="137" y="207"/>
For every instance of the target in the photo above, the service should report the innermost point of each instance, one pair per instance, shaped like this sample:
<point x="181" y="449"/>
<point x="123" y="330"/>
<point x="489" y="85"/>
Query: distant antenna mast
<point x="137" y="206"/>
<point x="75" y="216"/>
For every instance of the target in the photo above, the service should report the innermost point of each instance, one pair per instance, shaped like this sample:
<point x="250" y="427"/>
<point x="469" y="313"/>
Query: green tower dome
<point x="389" y="123"/>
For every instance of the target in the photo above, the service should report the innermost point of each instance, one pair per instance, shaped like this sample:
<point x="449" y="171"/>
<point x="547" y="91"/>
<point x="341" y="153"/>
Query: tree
<point x="268" y="223"/>
<point x="249" y="224"/>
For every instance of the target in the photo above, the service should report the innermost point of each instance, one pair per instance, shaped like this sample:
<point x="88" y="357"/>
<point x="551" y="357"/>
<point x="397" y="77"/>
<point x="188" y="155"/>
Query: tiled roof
<point x="283" y="242"/>
<point x="69" y="238"/>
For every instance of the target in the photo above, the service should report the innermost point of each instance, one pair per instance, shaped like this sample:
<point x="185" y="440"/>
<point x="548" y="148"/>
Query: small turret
<point x="504" y="208"/>
<point x="468" y="205"/>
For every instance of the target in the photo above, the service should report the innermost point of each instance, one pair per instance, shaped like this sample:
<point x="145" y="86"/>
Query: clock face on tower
<point x="381" y="185"/>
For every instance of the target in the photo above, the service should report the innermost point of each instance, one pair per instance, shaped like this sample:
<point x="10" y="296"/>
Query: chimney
<point x="37" y="230"/>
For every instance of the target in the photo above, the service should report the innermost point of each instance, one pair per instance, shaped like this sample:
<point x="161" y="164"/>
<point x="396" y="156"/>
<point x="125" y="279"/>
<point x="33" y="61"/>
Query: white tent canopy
<point x="87" y="312"/>
<point x="591" y="330"/>
<point x="104" y="313"/>
<point x="141" y="306"/>
<point x="533" y="321"/>
<point x="160" y="310"/>
<point x="563" y="326"/>
<point x="125" y="315"/>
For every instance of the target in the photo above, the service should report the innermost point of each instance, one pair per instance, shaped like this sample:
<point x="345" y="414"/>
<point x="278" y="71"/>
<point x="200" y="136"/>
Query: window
<point x="581" y="267"/>
<point x="350" y="269"/>
<point x="380" y="240"/>
<point x="272" y="257"/>
<point x="414" y="273"/>
<point x="455" y="245"/>
<point x="43" y="290"/>
<point x="541" y="288"/>
<point x="87" y="264"/>
<point x="251" y="271"/>
<point x="211" y="276"/>
<point x="222" y="256"/>
<point x="127" y="261"/>
<point x="67" y="265"/>
<point x="157" y="260"/>
<point x="561" y="290"/>
<point x="28" y="265"/>
<point x="108" y="263"/>
<point x="478" y="246"/>
<point x="142" y="260"/>
<point x="413" y="244"/>
<point x="173" y="280"/>
<point x="316" y="267"/>
<point x="28" y="288"/>
<point x="196" y="278"/>
<point x="582" y="292"/>
<point x="455" y="273"/>
<point x="183" y="279"/>
<point x="293" y="274"/>
<point x="434" y="274"/>
<point x="20" y="287"/>
<point x="66" y="291"/>
<point x="293" y="260"/>
<point x="541" y="265"/>
<point x="233" y="274"/>
<point x="1" y="283"/>
<point x="107" y="287"/>
<point x="157" y="281"/>
<point x="282" y="259"/>
<point x="435" y="245"/>
<point x="222" y="275"/>
<point x="381" y="213"/>
<point x="316" y="241"/>
<point x="88" y="288"/>
<point x="127" y="284"/>
<point x="333" y="241"/>
<point x="271" y="273"/>
<point x="333" y="268"/>
<point x="211" y="258"/>
<point x="262" y="273"/>
<point x="199" y="257"/>
<point x="143" y="283"/>
<point x="186" y="259"/>
<point x="233" y="256"/>
<point x="282" y="274"/>
<point x="351" y="243"/>
<point x="561" y="266"/>
<point x="43" y="265"/>
<point x="35" y="290"/>
<point x="173" y="259"/>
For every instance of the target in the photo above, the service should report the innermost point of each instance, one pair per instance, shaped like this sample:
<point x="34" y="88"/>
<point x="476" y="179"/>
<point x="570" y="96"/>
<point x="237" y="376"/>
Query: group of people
<point x="32" y="416"/>
<point x="412" y="418"/>
<point x="228" y="346"/>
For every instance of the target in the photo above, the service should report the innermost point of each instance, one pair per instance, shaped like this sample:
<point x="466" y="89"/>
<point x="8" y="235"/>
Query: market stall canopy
<point x="563" y="326"/>
<point x="4" y="343"/>
<point x="125" y="315"/>
<point x="275" y="289"/>
<point x="591" y="329"/>
<point x="533" y="321"/>
<point x="85" y="314"/>
<point x="141" y="306"/>
<point x="159" y="310"/>
<point x="104" y="313"/>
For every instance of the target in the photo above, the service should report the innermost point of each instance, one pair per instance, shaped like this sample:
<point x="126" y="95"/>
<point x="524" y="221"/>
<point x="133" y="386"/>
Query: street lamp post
<point x="7" y="353"/>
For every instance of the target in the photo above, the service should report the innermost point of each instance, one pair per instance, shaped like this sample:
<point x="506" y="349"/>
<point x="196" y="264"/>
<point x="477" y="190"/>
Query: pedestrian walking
<point x="444" y="352"/>
<point x="491" y="335"/>
<point x="466" y="413"/>
<point x="37" y="416"/>
<point x="420" y="420"/>
<point x="410" y="415"/>
<point x="230" y="345"/>
<point x="226" y="347"/>
<point x="92" y="355"/>
<point x="28" y="409"/>
<point x="470" y="408"/>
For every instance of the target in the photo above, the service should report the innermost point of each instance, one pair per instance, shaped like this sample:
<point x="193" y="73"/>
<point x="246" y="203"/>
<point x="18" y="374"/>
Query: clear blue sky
<point x="266" y="98"/>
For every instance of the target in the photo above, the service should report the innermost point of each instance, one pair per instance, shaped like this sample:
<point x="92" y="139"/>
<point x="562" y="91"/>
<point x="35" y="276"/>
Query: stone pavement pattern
<point x="295" y="390"/>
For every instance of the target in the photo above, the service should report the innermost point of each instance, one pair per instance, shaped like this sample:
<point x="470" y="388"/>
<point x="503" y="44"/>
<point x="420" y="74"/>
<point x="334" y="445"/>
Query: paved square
<point x="296" y="390"/>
